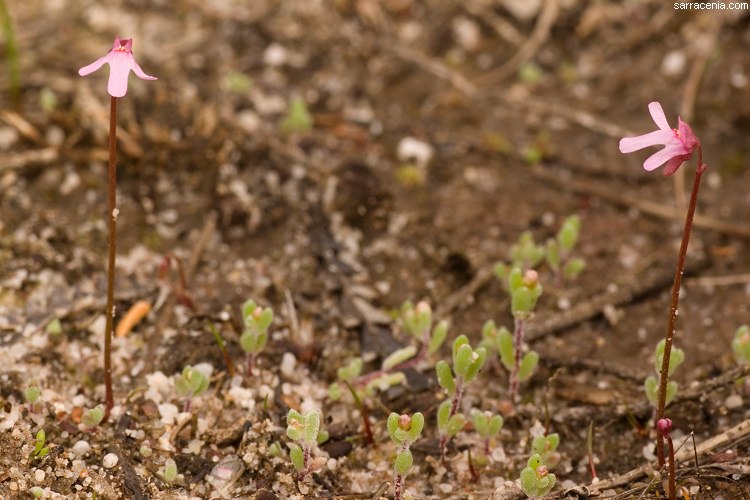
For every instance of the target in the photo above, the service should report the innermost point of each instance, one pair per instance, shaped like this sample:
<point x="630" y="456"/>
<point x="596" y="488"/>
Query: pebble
<point x="411" y="149"/>
<point x="109" y="460"/>
<point x="39" y="475"/>
<point x="733" y="402"/>
<point x="673" y="63"/>
<point x="288" y="365"/>
<point x="81" y="448"/>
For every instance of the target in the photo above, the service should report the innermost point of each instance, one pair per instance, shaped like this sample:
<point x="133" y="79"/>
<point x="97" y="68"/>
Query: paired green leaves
<point x="449" y="426"/>
<point x="193" y="381"/>
<point x="256" y="320"/>
<point x="304" y="428"/>
<point x="651" y="385"/>
<point x="404" y="430"/>
<point x="545" y="447"/>
<point x="536" y="481"/>
<point x="486" y="424"/>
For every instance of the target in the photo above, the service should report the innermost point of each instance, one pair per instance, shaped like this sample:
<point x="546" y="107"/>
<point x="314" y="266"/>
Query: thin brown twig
<point x="539" y="35"/>
<point x="503" y="28"/>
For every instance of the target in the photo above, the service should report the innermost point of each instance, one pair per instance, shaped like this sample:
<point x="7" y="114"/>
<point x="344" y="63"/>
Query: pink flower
<point x="121" y="61"/>
<point x="679" y="143"/>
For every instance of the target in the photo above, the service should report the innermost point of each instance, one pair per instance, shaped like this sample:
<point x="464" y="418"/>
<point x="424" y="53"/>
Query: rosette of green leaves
<point x="546" y="446"/>
<point x="741" y="345"/>
<point x="466" y="364"/>
<point x="403" y="435"/>
<point x="191" y="382"/>
<point x="558" y="249"/>
<point x="676" y="357"/>
<point x="305" y="430"/>
<point x="256" y="321"/>
<point x="536" y="481"/>
<point x="486" y="424"/>
<point x="525" y="290"/>
<point x="417" y="321"/>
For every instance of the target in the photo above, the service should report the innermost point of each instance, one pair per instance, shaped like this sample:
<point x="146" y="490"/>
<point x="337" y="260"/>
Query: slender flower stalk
<point x="110" y="313"/>
<point x="679" y="145"/>
<point x="121" y="62"/>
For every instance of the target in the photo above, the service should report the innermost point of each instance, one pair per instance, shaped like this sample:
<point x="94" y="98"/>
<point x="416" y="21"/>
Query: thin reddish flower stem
<point x="110" y="400"/>
<point x="664" y="376"/>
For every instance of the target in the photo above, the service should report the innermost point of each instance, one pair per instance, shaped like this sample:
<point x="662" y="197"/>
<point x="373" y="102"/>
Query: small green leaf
<point x="514" y="279"/>
<point x="529" y="482"/>
<point x="265" y="320"/>
<point x="480" y="356"/>
<point x="445" y="378"/>
<point x="455" y="424"/>
<point x="462" y="360"/>
<point x="334" y="392"/>
<point x="417" y="424"/>
<point x="323" y="436"/>
<point x="298" y="457"/>
<point x="528" y="363"/>
<point x="480" y="422"/>
<point x="442" y="414"/>
<point x="312" y="426"/>
<point x="392" y="424"/>
<point x="399" y="356"/>
<point x="568" y="235"/>
<point x="403" y="462"/>
<point x="505" y="347"/>
<point x="496" y="424"/>
<point x="574" y="267"/>
<point x="438" y="336"/>
<point x="170" y="470"/>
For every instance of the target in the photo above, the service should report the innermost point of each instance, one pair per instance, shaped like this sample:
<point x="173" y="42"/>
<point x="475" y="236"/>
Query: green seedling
<point x="40" y="450"/>
<point x="32" y="394"/>
<point x="560" y="248"/>
<point x="525" y="290"/>
<point x="741" y="345"/>
<point x="170" y="471"/>
<point x="404" y="431"/>
<point x="93" y="417"/>
<point x="417" y="321"/>
<point x="487" y="426"/>
<point x="304" y="429"/>
<point x="192" y="382"/>
<point x="525" y="255"/>
<point x="256" y="320"/>
<point x="545" y="447"/>
<point x="37" y="491"/>
<point x="298" y="119"/>
<point x="536" y="480"/>
<point x="676" y="357"/>
<point x="466" y="365"/>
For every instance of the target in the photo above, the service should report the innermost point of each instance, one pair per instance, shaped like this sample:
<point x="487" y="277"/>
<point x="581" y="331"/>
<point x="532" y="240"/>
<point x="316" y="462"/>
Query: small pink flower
<point x="679" y="143"/>
<point x="121" y="61"/>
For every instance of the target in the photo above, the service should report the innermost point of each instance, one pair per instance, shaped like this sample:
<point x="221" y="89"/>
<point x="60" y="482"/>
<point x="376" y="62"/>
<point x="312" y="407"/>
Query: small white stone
<point x="733" y="402"/>
<point x="275" y="55"/>
<point x="673" y="63"/>
<point x="446" y="488"/>
<point x="81" y="448"/>
<point x="109" y="460"/>
<point x="288" y="365"/>
<point x="411" y="149"/>
<point x="39" y="475"/>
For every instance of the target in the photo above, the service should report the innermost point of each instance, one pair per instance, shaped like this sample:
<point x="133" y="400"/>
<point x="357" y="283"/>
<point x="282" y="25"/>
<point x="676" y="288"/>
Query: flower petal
<point x="87" y="70"/>
<point x="630" y="144"/>
<point x="657" y="113"/>
<point x="118" y="80"/>
<point x="138" y="71"/>
<point x="657" y="159"/>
